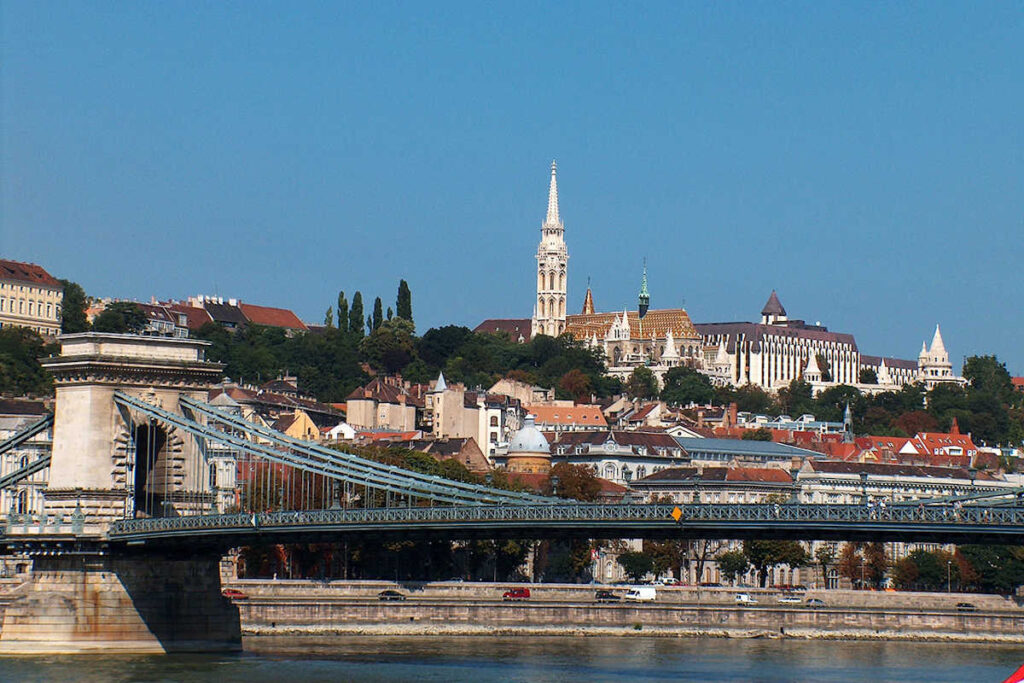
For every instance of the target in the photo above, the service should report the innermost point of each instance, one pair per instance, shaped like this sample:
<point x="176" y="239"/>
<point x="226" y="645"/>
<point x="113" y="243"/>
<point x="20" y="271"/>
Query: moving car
<point x="234" y="594"/>
<point x="789" y="600"/>
<point x="745" y="599"/>
<point x="814" y="602"/>
<point x="966" y="607"/>
<point x="641" y="594"/>
<point x="516" y="594"/>
<point x="607" y="596"/>
<point x="390" y="594"/>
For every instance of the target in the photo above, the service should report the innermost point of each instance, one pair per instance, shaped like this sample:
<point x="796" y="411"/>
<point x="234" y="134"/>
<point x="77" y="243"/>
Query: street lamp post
<point x="949" y="576"/>
<point x="554" y="485"/>
<point x="864" y="488"/>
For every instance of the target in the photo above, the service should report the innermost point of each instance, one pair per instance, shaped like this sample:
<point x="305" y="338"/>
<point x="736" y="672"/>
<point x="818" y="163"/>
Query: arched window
<point x="22" y="506"/>
<point x="540" y="308"/>
<point x="561" y="281"/>
<point x="551" y="280"/>
<point x="609" y="471"/>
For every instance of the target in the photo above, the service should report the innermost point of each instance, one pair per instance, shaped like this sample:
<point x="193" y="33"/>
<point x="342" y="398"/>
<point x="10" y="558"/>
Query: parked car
<point x="966" y="607"/>
<point x="641" y="594"/>
<point x="390" y="594"/>
<point x="234" y="594"/>
<point x="745" y="599"/>
<point x="814" y="602"/>
<point x="789" y="600"/>
<point x="709" y="584"/>
<point x="607" y="596"/>
<point x="516" y="594"/>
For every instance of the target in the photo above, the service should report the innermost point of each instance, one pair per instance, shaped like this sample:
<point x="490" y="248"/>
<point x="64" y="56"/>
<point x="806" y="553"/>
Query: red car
<point x="234" y="594"/>
<point x="516" y="594"/>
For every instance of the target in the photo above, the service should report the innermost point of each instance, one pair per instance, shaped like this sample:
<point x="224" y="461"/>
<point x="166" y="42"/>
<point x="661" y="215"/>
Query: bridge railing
<point x="791" y="514"/>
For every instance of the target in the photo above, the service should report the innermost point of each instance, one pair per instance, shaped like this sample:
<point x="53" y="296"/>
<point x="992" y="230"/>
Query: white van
<point x="641" y="594"/>
<point x="745" y="599"/>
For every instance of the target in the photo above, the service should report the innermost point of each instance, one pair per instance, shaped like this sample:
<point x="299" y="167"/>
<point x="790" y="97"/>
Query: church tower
<point x="552" y="263"/>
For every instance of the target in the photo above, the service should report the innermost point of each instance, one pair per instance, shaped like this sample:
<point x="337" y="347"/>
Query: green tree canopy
<point x="685" y="385"/>
<point x="390" y="347"/>
<point x="121" y="317"/>
<point x="733" y="564"/>
<point x="642" y="384"/>
<point x="403" y="305"/>
<point x="355" y="315"/>
<point x="20" y="372"/>
<point x="764" y="555"/>
<point x="72" y="308"/>
<point x="637" y="565"/>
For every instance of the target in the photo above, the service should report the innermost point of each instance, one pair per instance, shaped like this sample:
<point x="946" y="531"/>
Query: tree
<point x="876" y="563"/>
<point x="987" y="374"/>
<point x="390" y="347"/>
<point x="998" y="567"/>
<point x="120" y="317"/>
<point x="637" y="565"/>
<point x="796" y="398"/>
<point x="752" y="399"/>
<point x="642" y="383"/>
<point x="863" y="564"/>
<point x="343" y="318"/>
<point x="577" y="482"/>
<point x="759" y="434"/>
<point x="441" y="343"/>
<point x="764" y="555"/>
<point x="668" y="556"/>
<point x="20" y="371"/>
<point x="825" y="556"/>
<point x="72" y="308"/>
<point x="378" y="314"/>
<point x="390" y="314"/>
<point x="355" y="315"/>
<point x="685" y="385"/>
<point x="329" y="318"/>
<point x="576" y="384"/>
<point x="916" y="421"/>
<point x="851" y="562"/>
<point x="403" y="306"/>
<point x="733" y="564"/>
<point x="868" y="376"/>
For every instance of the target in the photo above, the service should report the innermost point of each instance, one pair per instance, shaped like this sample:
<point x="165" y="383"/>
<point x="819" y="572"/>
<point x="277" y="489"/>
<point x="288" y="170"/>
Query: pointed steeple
<point x="644" y="300"/>
<point x="938" y="348"/>
<point x="440" y="385"/>
<point x="552" y="218"/>
<point x="588" y="301"/>
<point x="773" y="310"/>
<point x="812" y="373"/>
<point x="847" y="425"/>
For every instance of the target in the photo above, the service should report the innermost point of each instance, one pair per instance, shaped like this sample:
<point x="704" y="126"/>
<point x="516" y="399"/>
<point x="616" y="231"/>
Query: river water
<point x="509" y="659"/>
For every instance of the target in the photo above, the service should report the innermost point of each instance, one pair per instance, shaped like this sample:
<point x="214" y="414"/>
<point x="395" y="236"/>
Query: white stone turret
<point x="812" y="373"/>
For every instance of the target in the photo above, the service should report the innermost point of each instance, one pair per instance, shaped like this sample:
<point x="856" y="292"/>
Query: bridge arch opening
<point x="150" y="483"/>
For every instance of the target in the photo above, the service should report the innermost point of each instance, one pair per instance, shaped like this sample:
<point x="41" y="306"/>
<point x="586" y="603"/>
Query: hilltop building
<point x="30" y="297"/>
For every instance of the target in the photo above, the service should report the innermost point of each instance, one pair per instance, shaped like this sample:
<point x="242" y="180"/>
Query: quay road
<point x="304" y="607"/>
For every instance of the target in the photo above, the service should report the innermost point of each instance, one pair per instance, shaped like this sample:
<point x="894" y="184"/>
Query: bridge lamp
<point x="864" y="487"/>
<point x="972" y="472"/>
<point x="554" y="484"/>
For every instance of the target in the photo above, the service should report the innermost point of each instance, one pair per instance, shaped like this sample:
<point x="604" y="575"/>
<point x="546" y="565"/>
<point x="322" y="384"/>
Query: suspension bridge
<point x="148" y="484"/>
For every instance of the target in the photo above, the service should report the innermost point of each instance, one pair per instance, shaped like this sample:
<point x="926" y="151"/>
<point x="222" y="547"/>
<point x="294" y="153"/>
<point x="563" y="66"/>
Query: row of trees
<point x="350" y="318"/>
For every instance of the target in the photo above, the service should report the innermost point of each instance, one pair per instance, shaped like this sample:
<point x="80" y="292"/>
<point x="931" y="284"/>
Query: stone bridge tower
<point x="105" y="461"/>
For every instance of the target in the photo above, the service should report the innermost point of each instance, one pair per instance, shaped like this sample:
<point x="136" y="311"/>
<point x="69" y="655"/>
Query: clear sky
<point x="864" y="159"/>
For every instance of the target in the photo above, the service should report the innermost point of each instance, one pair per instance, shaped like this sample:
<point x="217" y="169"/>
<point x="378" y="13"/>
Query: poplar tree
<point x="391" y="313"/>
<point x="329" y="318"/>
<point x="403" y="307"/>
<point x="378" y="314"/>
<point x="342" y="312"/>
<point x="355" y="315"/>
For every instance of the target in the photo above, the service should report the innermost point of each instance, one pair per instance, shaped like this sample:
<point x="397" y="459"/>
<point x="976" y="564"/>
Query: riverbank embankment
<point x="319" y="608"/>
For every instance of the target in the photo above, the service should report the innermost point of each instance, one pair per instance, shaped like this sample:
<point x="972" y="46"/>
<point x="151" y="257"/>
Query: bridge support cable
<point x="316" y="451"/>
<point x="26" y="434"/>
<point x="326" y="462"/>
<point x="25" y="472"/>
<point x="286" y="458"/>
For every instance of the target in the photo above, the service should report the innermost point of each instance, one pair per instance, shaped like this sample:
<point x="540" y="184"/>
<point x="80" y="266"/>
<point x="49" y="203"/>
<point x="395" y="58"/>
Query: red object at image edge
<point x="1016" y="677"/>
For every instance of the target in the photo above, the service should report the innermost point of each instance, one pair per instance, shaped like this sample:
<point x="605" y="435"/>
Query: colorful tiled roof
<point x="656" y="323"/>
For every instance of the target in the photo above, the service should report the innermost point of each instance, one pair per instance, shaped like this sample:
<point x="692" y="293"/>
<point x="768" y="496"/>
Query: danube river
<point x="563" y="658"/>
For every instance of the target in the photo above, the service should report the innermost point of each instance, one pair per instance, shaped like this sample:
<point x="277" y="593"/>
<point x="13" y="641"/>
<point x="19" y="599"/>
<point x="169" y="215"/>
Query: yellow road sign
<point x="676" y="513"/>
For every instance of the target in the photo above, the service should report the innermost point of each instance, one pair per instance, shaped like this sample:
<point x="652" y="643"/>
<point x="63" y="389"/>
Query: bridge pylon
<point x="106" y="463"/>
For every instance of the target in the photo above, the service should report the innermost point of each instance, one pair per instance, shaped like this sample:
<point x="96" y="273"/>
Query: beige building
<point x="30" y="297"/>
<point x="384" y="403"/>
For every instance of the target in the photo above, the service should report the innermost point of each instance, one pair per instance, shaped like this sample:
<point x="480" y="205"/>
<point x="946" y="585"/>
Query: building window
<point x="494" y="420"/>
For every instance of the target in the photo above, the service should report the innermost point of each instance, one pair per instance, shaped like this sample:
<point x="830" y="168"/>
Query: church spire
<point x="552" y="218"/>
<point x="644" y="300"/>
<point x="588" y="301"/>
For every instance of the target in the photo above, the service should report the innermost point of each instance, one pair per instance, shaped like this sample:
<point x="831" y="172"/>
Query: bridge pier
<point x="139" y="603"/>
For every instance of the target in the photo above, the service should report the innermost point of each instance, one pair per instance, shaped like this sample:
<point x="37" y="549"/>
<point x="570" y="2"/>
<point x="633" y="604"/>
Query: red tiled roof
<point x="1018" y="383"/>
<point x="272" y="317"/>
<point x="568" y="415"/>
<point x="28" y="273"/>
<point x="641" y="414"/>
<point x="384" y="392"/>
<point x="515" y="327"/>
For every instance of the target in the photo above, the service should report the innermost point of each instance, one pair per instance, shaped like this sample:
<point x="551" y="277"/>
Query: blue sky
<point x="865" y="160"/>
